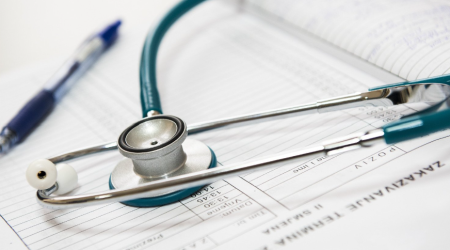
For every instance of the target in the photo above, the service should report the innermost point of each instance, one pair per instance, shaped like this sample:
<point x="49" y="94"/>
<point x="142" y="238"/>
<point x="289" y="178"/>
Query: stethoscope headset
<point x="163" y="165"/>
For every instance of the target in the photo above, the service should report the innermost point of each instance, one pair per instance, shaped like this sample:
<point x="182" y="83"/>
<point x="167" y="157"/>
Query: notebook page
<point x="217" y="62"/>
<point x="408" y="38"/>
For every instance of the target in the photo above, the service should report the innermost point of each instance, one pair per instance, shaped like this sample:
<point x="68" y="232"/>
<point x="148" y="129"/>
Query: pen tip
<point x="109" y="34"/>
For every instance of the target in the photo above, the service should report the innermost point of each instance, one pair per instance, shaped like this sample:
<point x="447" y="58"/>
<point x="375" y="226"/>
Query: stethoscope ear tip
<point x="43" y="174"/>
<point x="67" y="179"/>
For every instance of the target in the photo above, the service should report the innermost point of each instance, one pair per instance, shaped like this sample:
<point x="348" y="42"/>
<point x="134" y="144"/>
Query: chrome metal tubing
<point x="211" y="175"/>
<point x="332" y="104"/>
<point x="434" y="93"/>
<point x="348" y="101"/>
<point x="83" y="152"/>
<point x="373" y="98"/>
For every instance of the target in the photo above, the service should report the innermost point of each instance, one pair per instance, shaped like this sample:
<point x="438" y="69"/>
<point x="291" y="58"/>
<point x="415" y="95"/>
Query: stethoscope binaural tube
<point x="431" y="120"/>
<point x="434" y="91"/>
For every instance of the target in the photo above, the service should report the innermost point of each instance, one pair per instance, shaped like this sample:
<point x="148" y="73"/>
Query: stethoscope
<point x="163" y="165"/>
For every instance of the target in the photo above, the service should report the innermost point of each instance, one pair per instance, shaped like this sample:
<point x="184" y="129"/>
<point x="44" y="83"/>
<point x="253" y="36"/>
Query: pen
<point x="37" y="108"/>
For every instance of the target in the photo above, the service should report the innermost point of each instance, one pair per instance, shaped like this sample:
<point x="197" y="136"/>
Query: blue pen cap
<point x="109" y="34"/>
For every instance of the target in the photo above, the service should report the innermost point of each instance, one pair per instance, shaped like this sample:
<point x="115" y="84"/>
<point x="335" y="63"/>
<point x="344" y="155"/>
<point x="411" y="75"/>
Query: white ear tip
<point x="67" y="179"/>
<point x="41" y="174"/>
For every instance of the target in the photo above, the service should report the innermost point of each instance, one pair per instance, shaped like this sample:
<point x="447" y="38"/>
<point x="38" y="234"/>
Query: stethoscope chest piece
<point x="156" y="148"/>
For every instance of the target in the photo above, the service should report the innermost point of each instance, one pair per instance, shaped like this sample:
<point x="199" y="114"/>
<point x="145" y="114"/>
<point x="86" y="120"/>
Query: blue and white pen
<point x="40" y="106"/>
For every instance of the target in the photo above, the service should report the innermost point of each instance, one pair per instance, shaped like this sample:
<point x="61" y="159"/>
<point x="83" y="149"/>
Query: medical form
<point x="386" y="196"/>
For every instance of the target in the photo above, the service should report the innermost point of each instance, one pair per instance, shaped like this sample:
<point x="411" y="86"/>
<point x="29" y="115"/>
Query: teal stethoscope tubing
<point x="404" y="129"/>
<point x="150" y="100"/>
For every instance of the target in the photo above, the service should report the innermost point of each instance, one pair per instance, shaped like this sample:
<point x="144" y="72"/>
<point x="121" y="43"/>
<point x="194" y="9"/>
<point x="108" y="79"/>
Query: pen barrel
<point x="74" y="68"/>
<point x="32" y="114"/>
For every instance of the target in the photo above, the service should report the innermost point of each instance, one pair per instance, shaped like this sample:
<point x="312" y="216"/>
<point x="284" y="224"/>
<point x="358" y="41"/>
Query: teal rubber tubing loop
<point x="149" y="92"/>
<point x="444" y="79"/>
<point x="168" y="198"/>
<point x="416" y="126"/>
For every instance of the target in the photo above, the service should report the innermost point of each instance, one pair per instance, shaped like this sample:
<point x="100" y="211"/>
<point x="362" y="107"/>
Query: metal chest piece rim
<point x="156" y="148"/>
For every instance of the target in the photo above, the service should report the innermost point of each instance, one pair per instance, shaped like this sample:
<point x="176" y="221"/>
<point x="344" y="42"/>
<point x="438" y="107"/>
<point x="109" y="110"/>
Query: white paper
<point x="408" y="38"/>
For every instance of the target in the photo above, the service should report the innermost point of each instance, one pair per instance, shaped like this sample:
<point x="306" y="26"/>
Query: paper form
<point x="234" y="65"/>
<point x="408" y="38"/>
